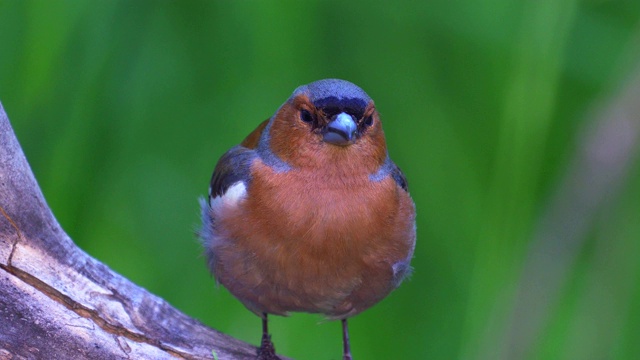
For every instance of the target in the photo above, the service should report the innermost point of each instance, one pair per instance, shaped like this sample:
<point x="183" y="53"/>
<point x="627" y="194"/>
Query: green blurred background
<point x="123" y="109"/>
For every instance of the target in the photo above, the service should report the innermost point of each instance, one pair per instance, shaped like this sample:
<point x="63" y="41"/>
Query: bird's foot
<point x="267" y="351"/>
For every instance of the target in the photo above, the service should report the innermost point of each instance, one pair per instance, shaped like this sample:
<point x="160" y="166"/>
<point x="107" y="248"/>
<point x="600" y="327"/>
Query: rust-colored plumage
<point x="309" y="213"/>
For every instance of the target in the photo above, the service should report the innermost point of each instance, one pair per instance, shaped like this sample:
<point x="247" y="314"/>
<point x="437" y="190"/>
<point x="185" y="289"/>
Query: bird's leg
<point x="346" y="349"/>
<point x="266" y="351"/>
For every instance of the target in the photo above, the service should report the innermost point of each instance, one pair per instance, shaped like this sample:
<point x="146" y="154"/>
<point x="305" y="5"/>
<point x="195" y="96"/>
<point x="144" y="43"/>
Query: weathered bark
<point x="57" y="302"/>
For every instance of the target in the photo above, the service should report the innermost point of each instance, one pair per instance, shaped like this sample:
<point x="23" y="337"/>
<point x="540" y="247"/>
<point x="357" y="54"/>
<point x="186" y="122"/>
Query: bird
<point x="309" y="213"/>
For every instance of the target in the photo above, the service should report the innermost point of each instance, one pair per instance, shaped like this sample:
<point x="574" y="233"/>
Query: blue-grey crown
<point x="334" y="93"/>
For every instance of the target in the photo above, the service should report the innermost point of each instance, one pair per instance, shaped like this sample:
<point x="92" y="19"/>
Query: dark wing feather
<point x="399" y="177"/>
<point x="233" y="166"/>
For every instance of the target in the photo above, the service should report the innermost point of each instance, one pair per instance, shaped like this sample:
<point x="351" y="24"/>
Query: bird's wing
<point x="399" y="177"/>
<point x="228" y="187"/>
<point x="251" y="141"/>
<point x="234" y="165"/>
<point x="232" y="168"/>
<point x="389" y="168"/>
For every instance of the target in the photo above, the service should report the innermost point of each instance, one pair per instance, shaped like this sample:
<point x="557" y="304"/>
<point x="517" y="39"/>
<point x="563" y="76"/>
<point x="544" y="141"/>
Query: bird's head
<point x="329" y="121"/>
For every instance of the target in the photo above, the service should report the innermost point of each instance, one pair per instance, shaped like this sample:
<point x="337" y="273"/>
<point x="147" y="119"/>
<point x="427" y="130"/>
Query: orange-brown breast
<point x="304" y="241"/>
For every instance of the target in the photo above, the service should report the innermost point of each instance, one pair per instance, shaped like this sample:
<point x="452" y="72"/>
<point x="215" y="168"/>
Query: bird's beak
<point x="341" y="130"/>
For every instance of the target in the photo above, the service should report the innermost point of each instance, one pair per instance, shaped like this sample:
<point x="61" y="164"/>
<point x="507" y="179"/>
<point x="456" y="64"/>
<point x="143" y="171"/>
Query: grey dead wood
<point x="57" y="302"/>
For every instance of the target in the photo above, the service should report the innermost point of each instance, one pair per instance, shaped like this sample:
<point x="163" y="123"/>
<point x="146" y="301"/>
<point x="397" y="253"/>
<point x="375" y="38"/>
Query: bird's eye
<point x="306" y="116"/>
<point x="368" y="121"/>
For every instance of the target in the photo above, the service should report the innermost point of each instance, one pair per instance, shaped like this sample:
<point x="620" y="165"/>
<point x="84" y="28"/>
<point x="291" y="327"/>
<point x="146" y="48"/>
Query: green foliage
<point x="123" y="108"/>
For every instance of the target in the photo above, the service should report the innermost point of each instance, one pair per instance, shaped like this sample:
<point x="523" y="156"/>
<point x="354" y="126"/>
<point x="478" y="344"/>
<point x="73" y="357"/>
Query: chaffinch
<point x="309" y="213"/>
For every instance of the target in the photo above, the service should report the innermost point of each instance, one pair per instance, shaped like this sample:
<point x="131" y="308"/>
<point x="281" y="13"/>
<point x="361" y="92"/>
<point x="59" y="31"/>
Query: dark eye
<point x="368" y="121"/>
<point x="306" y="116"/>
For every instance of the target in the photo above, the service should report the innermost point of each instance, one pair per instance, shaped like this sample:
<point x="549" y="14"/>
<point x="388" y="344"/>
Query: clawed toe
<point x="267" y="351"/>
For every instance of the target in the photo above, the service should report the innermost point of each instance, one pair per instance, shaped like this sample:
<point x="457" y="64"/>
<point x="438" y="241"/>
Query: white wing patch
<point x="231" y="197"/>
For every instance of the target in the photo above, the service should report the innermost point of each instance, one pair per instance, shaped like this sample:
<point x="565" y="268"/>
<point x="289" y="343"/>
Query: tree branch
<point x="57" y="302"/>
